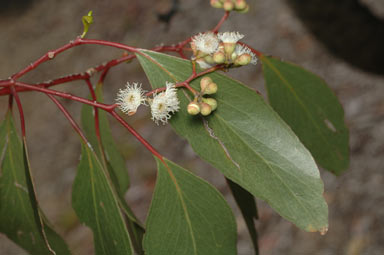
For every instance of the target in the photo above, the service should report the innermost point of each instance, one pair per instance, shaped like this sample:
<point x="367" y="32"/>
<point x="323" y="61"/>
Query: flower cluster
<point x="231" y="5"/>
<point x="162" y="104"/>
<point x="223" y="48"/>
<point x="204" y="105"/>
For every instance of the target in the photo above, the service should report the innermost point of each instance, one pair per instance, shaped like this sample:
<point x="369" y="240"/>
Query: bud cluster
<point x="204" y="105"/>
<point x="210" y="49"/>
<point x="231" y="5"/>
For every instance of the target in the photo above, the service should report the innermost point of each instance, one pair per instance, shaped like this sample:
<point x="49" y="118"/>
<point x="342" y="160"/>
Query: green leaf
<point x="108" y="153"/>
<point x="248" y="142"/>
<point x="311" y="109"/>
<point x="188" y="216"/>
<point x="247" y="205"/>
<point x="20" y="216"/>
<point x="96" y="205"/>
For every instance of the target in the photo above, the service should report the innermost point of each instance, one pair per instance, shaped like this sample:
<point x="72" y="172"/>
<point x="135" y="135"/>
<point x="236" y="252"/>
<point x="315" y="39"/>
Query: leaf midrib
<point x="180" y="195"/>
<point x="273" y="171"/>
<point x="290" y="88"/>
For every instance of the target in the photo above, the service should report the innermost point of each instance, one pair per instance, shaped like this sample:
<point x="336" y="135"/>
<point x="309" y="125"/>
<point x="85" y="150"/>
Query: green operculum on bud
<point x="245" y="10"/>
<point x="219" y="57"/>
<point x="205" y="109"/>
<point x="210" y="89"/>
<point x="216" y="4"/>
<point x="209" y="59"/>
<point x="233" y="56"/>
<point x="193" y="108"/>
<point x="228" y="5"/>
<point x="243" y="59"/>
<point x="211" y="101"/>
<point x="204" y="82"/>
<point x="240" y="5"/>
<point x="200" y="54"/>
<point x="229" y="48"/>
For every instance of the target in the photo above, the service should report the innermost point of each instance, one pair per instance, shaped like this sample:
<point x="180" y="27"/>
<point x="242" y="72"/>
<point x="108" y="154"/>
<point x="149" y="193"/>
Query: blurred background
<point x="342" y="41"/>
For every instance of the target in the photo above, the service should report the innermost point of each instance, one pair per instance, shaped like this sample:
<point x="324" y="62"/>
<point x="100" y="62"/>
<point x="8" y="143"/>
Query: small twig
<point x="94" y="98"/>
<point x="20" y="108"/>
<point x="224" y="18"/>
<point x="187" y="81"/>
<point x="137" y="135"/>
<point x="69" y="118"/>
<point x="105" y="107"/>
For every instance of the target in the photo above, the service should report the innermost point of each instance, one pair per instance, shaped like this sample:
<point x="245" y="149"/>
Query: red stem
<point x="105" y="107"/>
<point x="20" y="108"/>
<point x="224" y="18"/>
<point x="47" y="56"/>
<point x="94" y="98"/>
<point x="69" y="118"/>
<point x="187" y="81"/>
<point x="10" y="102"/>
<point x="137" y="135"/>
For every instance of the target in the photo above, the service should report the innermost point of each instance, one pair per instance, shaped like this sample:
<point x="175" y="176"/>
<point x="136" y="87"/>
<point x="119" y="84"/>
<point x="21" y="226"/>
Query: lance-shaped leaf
<point x="20" y="216"/>
<point x="96" y="204"/>
<point x="311" y="109"/>
<point x="248" y="142"/>
<point x="188" y="216"/>
<point x="112" y="159"/>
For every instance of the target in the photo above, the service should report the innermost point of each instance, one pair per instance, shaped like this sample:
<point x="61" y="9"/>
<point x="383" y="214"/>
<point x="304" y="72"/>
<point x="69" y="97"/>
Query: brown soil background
<point x="356" y="199"/>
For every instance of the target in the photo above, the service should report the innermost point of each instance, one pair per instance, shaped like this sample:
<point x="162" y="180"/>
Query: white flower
<point x="241" y="49"/>
<point x="164" y="103"/>
<point x="130" y="98"/>
<point x="230" y="37"/>
<point x="207" y="43"/>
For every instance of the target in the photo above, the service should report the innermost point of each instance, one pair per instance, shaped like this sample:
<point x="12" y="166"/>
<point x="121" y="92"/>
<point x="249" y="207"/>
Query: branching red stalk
<point x="87" y="74"/>
<point x="69" y="118"/>
<point x="12" y="87"/>
<point x="105" y="107"/>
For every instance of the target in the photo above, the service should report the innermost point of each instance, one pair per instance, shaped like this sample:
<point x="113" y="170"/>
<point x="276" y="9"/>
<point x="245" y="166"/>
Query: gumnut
<point x="205" y="109"/>
<point x="193" y="108"/>
<point x="212" y="102"/>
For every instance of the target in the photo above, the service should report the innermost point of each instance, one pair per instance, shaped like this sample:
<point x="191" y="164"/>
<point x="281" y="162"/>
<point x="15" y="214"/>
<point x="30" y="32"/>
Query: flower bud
<point x="245" y="10"/>
<point x="216" y="4"/>
<point x="210" y="89"/>
<point x="219" y="57"/>
<point x="233" y="56"/>
<point x="229" y="48"/>
<point x="205" y="109"/>
<point x="204" y="82"/>
<point x="228" y="5"/>
<point x="211" y="101"/>
<point x="243" y="59"/>
<point x="209" y="59"/>
<point x="193" y="108"/>
<point x="240" y="5"/>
